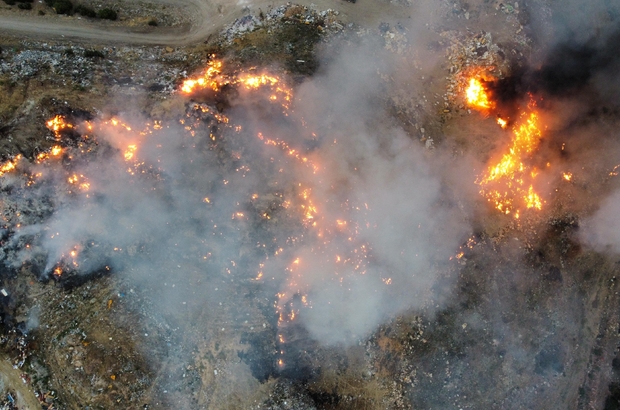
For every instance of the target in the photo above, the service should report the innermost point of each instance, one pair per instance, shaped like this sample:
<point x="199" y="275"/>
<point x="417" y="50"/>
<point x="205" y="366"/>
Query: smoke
<point x="602" y="230"/>
<point x="358" y="229"/>
<point x="393" y="199"/>
<point x="575" y="72"/>
<point x="576" y="55"/>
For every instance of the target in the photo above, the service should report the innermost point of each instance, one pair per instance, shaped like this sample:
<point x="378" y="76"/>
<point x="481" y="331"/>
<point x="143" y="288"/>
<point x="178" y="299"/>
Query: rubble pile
<point x="84" y="68"/>
<point x="395" y="37"/>
<point x="326" y="20"/>
<point x="464" y="52"/>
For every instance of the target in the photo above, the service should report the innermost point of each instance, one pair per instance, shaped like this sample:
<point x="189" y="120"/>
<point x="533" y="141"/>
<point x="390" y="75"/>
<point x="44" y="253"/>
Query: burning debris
<point x="243" y="188"/>
<point x="508" y="184"/>
<point x="278" y="218"/>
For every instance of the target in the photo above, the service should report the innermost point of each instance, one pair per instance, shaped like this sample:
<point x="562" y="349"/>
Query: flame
<point x="55" y="151"/>
<point x="10" y="165"/>
<point x="207" y="80"/>
<point x="512" y="172"/>
<point x="476" y="95"/>
<point x="130" y="151"/>
<point x="57" y="125"/>
<point x="511" y="176"/>
<point x="75" y="180"/>
<point x="567" y="176"/>
<point x="338" y="246"/>
<point x="213" y="79"/>
<point x="255" y="81"/>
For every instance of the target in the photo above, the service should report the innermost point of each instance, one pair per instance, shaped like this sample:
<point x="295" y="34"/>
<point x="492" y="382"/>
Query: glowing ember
<point x="332" y="229"/>
<point x="567" y="176"/>
<point x="129" y="152"/>
<point x="53" y="152"/>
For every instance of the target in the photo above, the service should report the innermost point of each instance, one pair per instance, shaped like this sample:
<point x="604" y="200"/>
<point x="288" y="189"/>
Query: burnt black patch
<point x="549" y="359"/>
<point x="260" y="355"/>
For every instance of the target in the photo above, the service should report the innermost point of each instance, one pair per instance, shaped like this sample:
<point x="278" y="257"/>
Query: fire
<point x="512" y="172"/>
<point x="57" y="124"/>
<point x="511" y="177"/>
<point x="207" y="80"/>
<point x="9" y="165"/>
<point x="255" y="81"/>
<point x="567" y="176"/>
<point x="532" y="200"/>
<point x="213" y="78"/>
<point x="75" y="180"/>
<point x="55" y="151"/>
<point x="336" y="235"/>
<point x="477" y="96"/>
<point x="129" y="152"/>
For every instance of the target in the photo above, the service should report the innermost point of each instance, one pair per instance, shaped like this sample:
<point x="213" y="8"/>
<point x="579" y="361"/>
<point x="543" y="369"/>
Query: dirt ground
<point x="189" y="22"/>
<point x="532" y="318"/>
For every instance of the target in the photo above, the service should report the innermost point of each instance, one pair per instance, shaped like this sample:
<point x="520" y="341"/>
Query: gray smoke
<point x="195" y="212"/>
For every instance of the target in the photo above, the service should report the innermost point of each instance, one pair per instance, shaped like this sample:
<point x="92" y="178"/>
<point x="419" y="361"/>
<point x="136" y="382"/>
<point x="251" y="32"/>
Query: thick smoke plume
<point x="357" y="229"/>
<point x="576" y="73"/>
<point x="570" y="81"/>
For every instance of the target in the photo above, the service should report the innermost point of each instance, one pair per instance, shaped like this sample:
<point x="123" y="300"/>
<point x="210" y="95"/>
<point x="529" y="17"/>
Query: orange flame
<point x="511" y="176"/>
<point x="57" y="124"/>
<point x="213" y="79"/>
<point x="130" y="151"/>
<point x="512" y="172"/>
<point x="207" y="80"/>
<point x="9" y="165"/>
<point x="476" y="95"/>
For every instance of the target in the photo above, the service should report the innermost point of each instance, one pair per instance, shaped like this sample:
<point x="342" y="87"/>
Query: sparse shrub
<point x="50" y="3"/>
<point x="85" y="11"/>
<point x="152" y="22"/>
<point x="24" y="6"/>
<point x="93" y="54"/>
<point x="107" y="14"/>
<point x="10" y="2"/>
<point x="63" y="6"/>
<point x="69" y="52"/>
<point x="41" y="13"/>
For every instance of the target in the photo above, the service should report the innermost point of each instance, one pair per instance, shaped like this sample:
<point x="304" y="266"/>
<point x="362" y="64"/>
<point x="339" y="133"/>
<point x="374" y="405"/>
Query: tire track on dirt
<point x="206" y="18"/>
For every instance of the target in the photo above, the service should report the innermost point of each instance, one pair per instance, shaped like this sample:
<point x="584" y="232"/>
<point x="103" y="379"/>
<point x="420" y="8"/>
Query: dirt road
<point x="205" y="17"/>
<point x="11" y="377"/>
